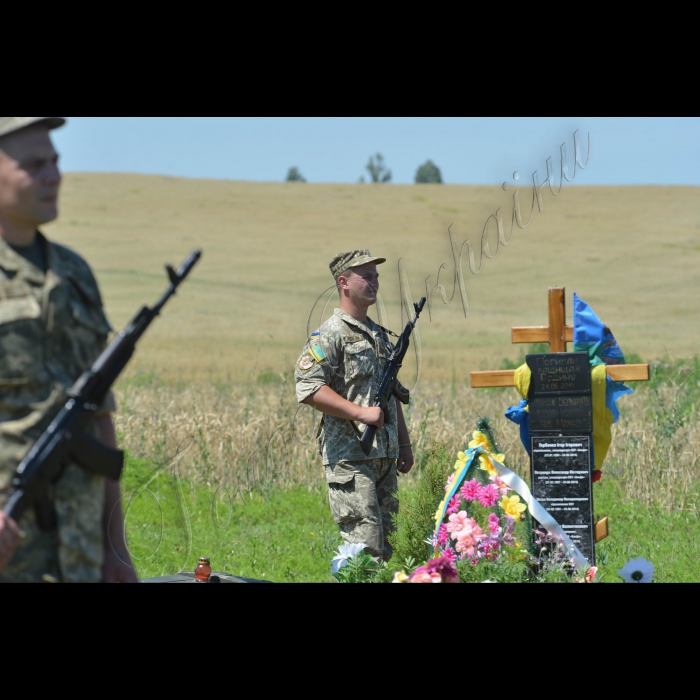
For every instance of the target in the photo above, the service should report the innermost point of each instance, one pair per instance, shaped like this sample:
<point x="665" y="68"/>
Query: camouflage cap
<point x="11" y="124"/>
<point x="344" y="261"/>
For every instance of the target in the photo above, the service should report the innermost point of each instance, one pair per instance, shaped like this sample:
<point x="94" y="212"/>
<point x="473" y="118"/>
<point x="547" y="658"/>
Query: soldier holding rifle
<point x="339" y="374"/>
<point x="52" y="327"/>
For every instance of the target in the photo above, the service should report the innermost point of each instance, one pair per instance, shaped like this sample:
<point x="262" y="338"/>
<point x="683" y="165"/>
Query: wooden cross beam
<point x="557" y="334"/>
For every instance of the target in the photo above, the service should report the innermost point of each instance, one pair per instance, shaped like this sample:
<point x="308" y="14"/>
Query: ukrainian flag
<point x="592" y="336"/>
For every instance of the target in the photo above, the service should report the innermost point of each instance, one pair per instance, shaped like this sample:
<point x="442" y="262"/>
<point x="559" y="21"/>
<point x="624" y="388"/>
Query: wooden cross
<point x="557" y="334"/>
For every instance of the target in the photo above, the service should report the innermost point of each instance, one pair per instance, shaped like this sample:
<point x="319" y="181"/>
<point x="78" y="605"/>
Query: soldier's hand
<point x="373" y="416"/>
<point x="405" y="462"/>
<point x="9" y="539"/>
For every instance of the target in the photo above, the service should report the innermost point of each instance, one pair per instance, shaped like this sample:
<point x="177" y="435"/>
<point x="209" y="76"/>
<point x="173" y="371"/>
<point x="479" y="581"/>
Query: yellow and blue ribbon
<point x="459" y="477"/>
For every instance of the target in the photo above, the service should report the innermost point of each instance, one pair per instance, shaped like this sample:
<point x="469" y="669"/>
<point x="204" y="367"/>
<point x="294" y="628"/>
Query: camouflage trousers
<point x="363" y="498"/>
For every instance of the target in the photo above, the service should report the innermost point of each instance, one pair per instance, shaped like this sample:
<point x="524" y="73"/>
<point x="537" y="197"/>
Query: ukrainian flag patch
<point x="318" y="354"/>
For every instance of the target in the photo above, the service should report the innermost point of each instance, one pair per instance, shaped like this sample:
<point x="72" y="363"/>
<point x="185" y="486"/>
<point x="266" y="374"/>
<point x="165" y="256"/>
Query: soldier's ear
<point x="343" y="279"/>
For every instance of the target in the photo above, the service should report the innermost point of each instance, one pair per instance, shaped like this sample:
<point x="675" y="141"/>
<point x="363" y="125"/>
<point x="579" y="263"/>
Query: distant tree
<point x="429" y="174"/>
<point x="295" y="176"/>
<point x="377" y="170"/>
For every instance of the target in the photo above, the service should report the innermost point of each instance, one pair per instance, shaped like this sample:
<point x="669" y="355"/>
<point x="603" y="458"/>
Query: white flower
<point x="637" y="571"/>
<point x="346" y="552"/>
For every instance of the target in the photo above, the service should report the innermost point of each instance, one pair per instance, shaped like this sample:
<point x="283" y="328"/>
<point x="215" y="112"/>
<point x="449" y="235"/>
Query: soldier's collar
<point x="347" y="318"/>
<point x="10" y="261"/>
<point x="55" y="261"/>
<point x="370" y="326"/>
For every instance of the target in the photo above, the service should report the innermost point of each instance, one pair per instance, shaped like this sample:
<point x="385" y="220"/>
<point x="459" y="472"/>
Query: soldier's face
<point x="29" y="178"/>
<point x="363" y="285"/>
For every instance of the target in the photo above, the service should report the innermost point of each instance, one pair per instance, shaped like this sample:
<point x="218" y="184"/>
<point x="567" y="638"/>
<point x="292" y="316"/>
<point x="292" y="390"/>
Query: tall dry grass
<point x="256" y="437"/>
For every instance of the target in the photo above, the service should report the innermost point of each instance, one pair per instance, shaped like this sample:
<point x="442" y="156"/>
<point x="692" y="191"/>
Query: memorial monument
<point x="561" y="423"/>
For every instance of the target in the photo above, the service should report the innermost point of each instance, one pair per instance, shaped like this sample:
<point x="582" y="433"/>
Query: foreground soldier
<point x="338" y="374"/>
<point x="52" y="327"/>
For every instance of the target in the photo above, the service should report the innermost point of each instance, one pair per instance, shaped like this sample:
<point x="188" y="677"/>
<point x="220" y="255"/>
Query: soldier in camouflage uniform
<point x="52" y="328"/>
<point x="339" y="372"/>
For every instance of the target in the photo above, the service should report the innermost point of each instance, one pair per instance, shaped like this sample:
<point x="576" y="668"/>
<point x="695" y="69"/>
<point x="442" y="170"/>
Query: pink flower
<point x="450" y="479"/>
<point x="423" y="576"/>
<point x="449" y="555"/>
<point x="465" y="547"/>
<point x="445" y="567"/>
<point x="443" y="536"/>
<point x="501" y="485"/>
<point x="489" y="549"/>
<point x="591" y="574"/>
<point x="454" y="506"/>
<point x="464" y="539"/>
<point x="494" y="523"/>
<point x="488" y="496"/>
<point x="470" y="491"/>
<point x="458" y="522"/>
<point x="440" y="570"/>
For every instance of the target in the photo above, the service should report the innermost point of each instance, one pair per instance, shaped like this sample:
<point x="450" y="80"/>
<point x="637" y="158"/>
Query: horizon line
<point x="358" y="184"/>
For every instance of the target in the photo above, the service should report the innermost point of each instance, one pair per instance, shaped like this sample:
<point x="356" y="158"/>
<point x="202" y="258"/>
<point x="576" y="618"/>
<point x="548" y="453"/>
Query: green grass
<point x="289" y="536"/>
<point x="282" y="536"/>
<point x="667" y="540"/>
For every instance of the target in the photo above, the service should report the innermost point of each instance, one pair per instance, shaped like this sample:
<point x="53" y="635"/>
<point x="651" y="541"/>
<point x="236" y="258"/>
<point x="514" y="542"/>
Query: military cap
<point x="344" y="261"/>
<point x="10" y="124"/>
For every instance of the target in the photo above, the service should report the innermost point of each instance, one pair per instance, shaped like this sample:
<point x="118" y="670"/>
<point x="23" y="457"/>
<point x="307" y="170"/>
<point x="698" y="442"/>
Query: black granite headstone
<point x="561" y="427"/>
<point x="561" y="476"/>
<point x="560" y="393"/>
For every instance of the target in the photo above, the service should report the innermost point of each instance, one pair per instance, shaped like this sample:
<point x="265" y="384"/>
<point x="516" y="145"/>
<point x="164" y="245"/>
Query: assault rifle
<point x="389" y="384"/>
<point x="65" y="440"/>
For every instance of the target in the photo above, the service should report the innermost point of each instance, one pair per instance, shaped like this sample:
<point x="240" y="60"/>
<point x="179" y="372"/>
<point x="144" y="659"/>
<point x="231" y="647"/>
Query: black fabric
<point x="33" y="254"/>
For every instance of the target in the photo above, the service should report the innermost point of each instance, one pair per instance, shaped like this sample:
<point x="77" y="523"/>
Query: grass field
<point x="249" y="490"/>
<point x="216" y="369"/>
<point x="632" y="252"/>
<point x="289" y="536"/>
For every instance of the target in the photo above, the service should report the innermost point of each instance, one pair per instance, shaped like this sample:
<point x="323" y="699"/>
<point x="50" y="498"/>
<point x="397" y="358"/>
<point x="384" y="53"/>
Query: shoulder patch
<point x="306" y="363"/>
<point x="317" y="353"/>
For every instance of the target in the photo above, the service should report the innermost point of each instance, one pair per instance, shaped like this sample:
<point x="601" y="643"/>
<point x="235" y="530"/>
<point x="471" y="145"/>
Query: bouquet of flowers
<point x="480" y="518"/>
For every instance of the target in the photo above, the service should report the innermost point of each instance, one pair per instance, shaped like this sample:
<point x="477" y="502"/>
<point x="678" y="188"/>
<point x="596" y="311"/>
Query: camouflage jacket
<point x="52" y="328"/>
<point x="349" y="357"/>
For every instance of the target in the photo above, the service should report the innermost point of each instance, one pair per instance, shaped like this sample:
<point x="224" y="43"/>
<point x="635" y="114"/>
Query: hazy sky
<point x="468" y="150"/>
